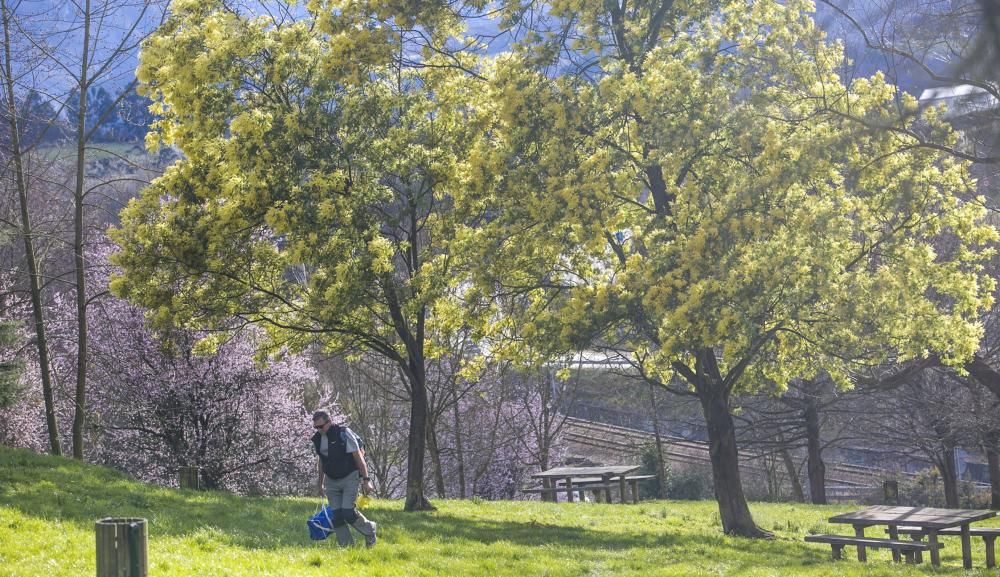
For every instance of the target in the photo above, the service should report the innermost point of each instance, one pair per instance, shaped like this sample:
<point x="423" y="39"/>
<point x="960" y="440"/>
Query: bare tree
<point x="811" y="417"/>
<point x="16" y="156"/>
<point x="81" y="45"/>
<point x="105" y="53"/>
<point x="925" y="416"/>
<point x="446" y="388"/>
<point x="983" y="424"/>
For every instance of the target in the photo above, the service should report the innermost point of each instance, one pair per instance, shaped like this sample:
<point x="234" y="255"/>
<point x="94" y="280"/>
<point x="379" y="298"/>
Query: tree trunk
<point x="793" y="476"/>
<point x="545" y="440"/>
<point x="29" y="249"/>
<point x="815" y="466"/>
<point x="459" y="450"/>
<point x="80" y="398"/>
<point x="415" y="499"/>
<point x="435" y="453"/>
<point x="993" y="462"/>
<point x="949" y="475"/>
<point x="724" y="454"/>
<point x="658" y="189"/>
<point x="661" y="466"/>
<point x="415" y="369"/>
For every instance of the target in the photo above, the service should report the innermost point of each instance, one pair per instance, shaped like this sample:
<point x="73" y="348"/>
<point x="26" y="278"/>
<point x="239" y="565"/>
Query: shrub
<point x="926" y="489"/>
<point x="687" y="482"/>
<point x="692" y="482"/>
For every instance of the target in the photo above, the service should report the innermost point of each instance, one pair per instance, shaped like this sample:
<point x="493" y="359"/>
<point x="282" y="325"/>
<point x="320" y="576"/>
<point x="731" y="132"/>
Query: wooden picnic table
<point x="929" y="519"/>
<point x="606" y="474"/>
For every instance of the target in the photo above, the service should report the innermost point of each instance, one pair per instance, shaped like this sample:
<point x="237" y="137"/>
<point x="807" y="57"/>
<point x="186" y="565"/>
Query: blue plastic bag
<point x="321" y="524"/>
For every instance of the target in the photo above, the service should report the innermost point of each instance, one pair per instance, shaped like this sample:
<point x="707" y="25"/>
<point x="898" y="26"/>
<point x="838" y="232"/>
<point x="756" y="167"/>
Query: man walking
<point x="342" y="468"/>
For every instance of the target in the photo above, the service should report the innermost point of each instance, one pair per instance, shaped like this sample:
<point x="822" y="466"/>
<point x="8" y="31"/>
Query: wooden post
<point x="859" y="531"/>
<point x="621" y="489"/>
<point x="991" y="552"/>
<point x="121" y="547"/>
<point x="890" y="490"/>
<point x="569" y="489"/>
<point x="918" y="555"/>
<point x="894" y="535"/>
<point x="932" y="540"/>
<point x="606" y="481"/>
<point x="966" y="547"/>
<point x="549" y="493"/>
<point x="190" y="478"/>
<point x="635" y="491"/>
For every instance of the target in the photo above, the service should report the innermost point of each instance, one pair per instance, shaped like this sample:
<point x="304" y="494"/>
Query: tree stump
<point x="191" y="478"/>
<point x="121" y="547"/>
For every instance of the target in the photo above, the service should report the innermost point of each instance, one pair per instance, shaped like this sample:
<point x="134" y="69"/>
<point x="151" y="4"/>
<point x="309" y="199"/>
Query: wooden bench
<point x="599" y="483"/>
<point x="838" y="542"/>
<point x="633" y="481"/>
<point x="586" y="480"/>
<point x="575" y="488"/>
<point x="989" y="535"/>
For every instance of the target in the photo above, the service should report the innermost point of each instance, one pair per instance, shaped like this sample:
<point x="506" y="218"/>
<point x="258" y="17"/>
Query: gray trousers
<point x="343" y="494"/>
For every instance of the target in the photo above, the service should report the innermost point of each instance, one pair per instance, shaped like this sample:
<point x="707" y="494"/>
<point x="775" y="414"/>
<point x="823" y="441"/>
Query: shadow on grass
<point x="61" y="489"/>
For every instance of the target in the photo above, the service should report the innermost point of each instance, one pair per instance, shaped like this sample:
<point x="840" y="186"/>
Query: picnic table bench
<point x="597" y="479"/>
<point x="910" y="549"/>
<point x="989" y="535"/>
<point x="597" y="484"/>
<point x="925" y="520"/>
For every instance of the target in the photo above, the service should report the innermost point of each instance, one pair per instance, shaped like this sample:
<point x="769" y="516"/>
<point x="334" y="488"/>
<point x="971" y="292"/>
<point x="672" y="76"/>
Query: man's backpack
<point x="361" y="442"/>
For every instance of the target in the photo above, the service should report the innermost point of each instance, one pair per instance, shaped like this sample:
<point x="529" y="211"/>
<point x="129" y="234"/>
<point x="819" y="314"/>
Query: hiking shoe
<point x="370" y="539"/>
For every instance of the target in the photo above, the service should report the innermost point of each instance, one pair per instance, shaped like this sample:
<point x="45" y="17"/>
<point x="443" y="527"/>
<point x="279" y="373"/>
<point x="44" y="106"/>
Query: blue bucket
<point x="321" y="524"/>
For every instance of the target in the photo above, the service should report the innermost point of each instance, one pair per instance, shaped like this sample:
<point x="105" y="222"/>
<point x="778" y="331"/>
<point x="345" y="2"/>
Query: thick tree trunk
<point x="658" y="189"/>
<point x="80" y="398"/>
<point x="415" y="369"/>
<point x="724" y="454"/>
<point x="993" y="462"/>
<point x="29" y="249"/>
<point x="814" y="465"/>
<point x="415" y="499"/>
<point x="949" y="475"/>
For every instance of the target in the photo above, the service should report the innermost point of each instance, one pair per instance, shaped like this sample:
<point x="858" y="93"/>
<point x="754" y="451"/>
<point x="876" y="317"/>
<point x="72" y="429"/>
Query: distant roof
<point x="600" y="358"/>
<point x="606" y="358"/>
<point x="959" y="101"/>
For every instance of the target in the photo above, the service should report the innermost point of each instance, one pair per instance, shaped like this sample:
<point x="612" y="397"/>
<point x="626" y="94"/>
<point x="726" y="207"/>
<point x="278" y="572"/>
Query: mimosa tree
<point x="707" y="196"/>
<point x="314" y="194"/>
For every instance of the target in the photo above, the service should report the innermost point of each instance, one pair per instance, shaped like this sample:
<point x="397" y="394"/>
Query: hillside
<point x="48" y="506"/>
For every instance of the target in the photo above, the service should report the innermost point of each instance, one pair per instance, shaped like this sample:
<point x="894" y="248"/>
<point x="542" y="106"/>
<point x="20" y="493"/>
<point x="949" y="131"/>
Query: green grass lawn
<point x="48" y="507"/>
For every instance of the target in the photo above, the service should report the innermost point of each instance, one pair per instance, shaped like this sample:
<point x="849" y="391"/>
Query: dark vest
<point x="338" y="463"/>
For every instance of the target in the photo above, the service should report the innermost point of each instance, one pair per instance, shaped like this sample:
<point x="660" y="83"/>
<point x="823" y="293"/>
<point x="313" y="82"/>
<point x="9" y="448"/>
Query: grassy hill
<point x="48" y="507"/>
